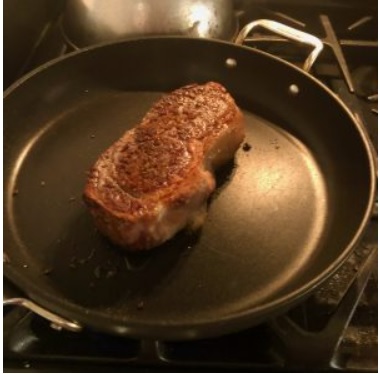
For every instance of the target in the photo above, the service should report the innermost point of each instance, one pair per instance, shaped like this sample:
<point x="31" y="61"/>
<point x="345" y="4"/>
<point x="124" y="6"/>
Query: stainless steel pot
<point x="89" y="22"/>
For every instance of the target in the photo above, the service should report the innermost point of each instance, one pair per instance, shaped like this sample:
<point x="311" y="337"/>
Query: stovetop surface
<point x="30" y="344"/>
<point x="312" y="336"/>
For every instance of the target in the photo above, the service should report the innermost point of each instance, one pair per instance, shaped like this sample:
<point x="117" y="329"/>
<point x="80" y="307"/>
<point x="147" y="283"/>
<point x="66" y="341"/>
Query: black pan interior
<point x="274" y="223"/>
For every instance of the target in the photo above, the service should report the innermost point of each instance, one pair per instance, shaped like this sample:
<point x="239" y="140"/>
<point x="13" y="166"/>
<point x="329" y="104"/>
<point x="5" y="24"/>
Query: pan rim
<point x="202" y="328"/>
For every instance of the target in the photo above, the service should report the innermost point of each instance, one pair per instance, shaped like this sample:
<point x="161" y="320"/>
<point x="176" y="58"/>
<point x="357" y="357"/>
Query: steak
<point x="156" y="179"/>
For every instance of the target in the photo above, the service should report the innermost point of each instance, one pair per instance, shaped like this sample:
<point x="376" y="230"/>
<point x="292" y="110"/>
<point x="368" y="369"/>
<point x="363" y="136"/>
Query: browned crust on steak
<point x="151" y="182"/>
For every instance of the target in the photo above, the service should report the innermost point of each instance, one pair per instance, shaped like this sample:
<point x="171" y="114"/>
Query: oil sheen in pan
<point x="270" y="207"/>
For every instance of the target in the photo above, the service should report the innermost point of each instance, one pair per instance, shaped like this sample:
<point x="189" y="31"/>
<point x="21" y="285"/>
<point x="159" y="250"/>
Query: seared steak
<point x="156" y="179"/>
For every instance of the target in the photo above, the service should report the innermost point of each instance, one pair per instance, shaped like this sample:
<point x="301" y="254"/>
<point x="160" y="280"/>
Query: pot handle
<point x="287" y="32"/>
<point x="56" y="322"/>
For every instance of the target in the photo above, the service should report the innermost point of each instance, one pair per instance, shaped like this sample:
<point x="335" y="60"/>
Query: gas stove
<point x="335" y="328"/>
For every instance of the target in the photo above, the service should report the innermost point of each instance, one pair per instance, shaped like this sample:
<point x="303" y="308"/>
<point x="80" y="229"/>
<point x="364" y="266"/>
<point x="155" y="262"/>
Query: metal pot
<point x="88" y="22"/>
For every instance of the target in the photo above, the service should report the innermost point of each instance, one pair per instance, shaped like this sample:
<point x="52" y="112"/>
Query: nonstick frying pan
<point x="287" y="211"/>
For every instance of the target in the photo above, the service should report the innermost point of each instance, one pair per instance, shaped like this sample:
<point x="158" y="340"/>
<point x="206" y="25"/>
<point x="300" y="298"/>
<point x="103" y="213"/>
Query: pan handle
<point x="287" y="32"/>
<point x="56" y="322"/>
